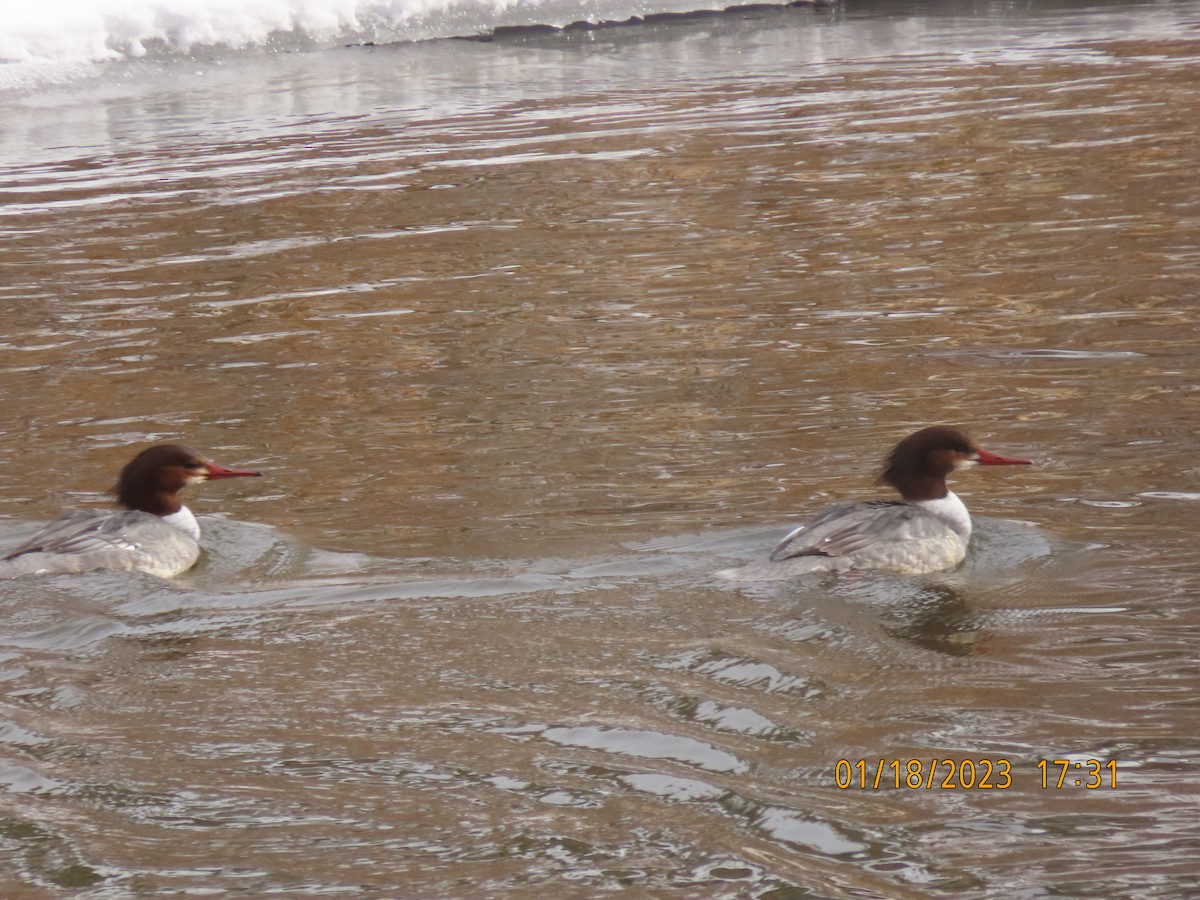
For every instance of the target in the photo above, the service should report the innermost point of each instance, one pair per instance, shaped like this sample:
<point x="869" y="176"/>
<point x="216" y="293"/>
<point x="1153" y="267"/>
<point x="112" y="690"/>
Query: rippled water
<point x="530" y="338"/>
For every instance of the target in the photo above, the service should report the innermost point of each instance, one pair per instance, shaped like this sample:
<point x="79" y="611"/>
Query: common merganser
<point x="154" y="533"/>
<point x="926" y="531"/>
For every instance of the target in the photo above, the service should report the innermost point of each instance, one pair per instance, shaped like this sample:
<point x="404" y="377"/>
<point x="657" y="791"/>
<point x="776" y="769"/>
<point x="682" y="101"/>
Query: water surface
<point x="530" y="337"/>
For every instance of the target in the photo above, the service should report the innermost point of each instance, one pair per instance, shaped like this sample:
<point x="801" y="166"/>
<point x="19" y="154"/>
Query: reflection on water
<point x="529" y="339"/>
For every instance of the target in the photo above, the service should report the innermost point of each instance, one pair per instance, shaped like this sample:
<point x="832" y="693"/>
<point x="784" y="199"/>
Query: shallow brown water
<point x="532" y="338"/>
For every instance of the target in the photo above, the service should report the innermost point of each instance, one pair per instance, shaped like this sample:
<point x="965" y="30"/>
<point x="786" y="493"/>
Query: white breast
<point x="186" y="522"/>
<point x="950" y="509"/>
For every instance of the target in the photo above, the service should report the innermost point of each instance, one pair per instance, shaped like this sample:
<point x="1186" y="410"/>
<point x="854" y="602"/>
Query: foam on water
<point x="89" y="31"/>
<point x="94" y="30"/>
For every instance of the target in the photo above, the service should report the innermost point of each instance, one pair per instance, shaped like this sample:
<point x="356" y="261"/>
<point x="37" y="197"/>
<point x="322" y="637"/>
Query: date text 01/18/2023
<point x="969" y="774"/>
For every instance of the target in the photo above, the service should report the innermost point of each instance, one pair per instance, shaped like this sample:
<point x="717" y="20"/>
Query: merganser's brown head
<point x="152" y="480"/>
<point x="918" y="466"/>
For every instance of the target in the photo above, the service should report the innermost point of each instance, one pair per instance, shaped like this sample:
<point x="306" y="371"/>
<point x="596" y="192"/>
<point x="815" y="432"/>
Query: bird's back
<point x="85" y="540"/>
<point x="879" y="534"/>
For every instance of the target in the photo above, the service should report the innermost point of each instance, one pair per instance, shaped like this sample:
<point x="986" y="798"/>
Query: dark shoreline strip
<point x="518" y="32"/>
<point x="521" y="32"/>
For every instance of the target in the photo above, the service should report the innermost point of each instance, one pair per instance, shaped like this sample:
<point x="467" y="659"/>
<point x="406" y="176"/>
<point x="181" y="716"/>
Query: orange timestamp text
<point x="968" y="774"/>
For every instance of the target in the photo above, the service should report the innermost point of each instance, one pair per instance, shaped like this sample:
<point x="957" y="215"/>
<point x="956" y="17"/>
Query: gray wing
<point x="847" y="527"/>
<point x="89" y="530"/>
